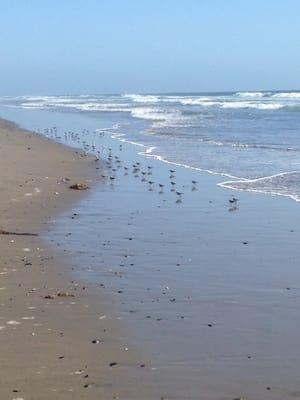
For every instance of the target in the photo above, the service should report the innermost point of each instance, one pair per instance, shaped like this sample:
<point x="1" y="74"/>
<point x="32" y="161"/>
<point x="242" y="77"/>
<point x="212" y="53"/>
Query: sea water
<point x="252" y="139"/>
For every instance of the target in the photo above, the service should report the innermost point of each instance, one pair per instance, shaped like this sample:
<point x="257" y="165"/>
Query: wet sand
<point x="57" y="339"/>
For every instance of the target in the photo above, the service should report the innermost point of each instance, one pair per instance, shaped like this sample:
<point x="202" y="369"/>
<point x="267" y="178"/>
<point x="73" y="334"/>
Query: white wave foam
<point x="250" y="94"/>
<point x="190" y="101"/>
<point x="138" y="98"/>
<point x="287" y="95"/>
<point x="90" y="106"/>
<point x="277" y="184"/>
<point x="154" y="114"/>
<point x="161" y="116"/>
<point x="258" y="106"/>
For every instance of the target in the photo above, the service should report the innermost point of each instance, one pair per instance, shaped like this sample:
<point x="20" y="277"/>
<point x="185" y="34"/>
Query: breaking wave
<point x="250" y="94"/>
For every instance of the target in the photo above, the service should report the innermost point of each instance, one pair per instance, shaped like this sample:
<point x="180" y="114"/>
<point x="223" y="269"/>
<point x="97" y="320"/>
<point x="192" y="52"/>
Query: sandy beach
<point x="55" y="339"/>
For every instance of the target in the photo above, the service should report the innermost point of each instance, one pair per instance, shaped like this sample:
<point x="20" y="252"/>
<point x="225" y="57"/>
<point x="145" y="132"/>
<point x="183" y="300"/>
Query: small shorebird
<point x="194" y="187"/>
<point x="151" y="183"/>
<point x="179" y="199"/>
<point x="173" y="186"/>
<point x="234" y="200"/>
<point x="172" y="171"/>
<point x="143" y="176"/>
<point x="161" y="186"/>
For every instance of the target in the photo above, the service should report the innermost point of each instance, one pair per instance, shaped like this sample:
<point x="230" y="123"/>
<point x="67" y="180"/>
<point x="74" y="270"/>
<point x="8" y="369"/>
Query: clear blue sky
<point x="112" y="46"/>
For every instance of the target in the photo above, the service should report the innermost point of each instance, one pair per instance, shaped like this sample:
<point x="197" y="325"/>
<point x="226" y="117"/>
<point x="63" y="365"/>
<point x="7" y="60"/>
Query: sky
<point x="143" y="46"/>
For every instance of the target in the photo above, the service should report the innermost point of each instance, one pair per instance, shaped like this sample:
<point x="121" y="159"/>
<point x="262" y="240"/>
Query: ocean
<point x="250" y="139"/>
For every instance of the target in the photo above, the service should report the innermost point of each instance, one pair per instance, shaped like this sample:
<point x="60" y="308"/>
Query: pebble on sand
<point x="79" y="186"/>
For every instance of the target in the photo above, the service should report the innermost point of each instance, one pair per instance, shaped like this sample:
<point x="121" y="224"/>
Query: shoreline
<point x="55" y="340"/>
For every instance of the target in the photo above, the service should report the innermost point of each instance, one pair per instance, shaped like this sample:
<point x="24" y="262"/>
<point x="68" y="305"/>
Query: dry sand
<point x="47" y="348"/>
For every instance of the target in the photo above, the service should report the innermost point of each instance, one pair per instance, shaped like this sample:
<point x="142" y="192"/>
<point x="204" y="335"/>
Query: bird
<point x="179" y="199"/>
<point x="161" y="186"/>
<point x="233" y="200"/>
<point x="144" y="176"/>
<point x="151" y="183"/>
<point x="173" y="186"/>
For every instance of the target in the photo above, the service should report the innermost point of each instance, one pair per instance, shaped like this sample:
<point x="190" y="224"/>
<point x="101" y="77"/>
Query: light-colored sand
<point x="46" y="343"/>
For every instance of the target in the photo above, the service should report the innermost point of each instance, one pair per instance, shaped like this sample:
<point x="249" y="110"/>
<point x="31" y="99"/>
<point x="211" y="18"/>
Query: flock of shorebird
<point x="114" y="164"/>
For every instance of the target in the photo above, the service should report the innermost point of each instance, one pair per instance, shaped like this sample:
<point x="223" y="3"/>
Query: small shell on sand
<point x="28" y="318"/>
<point x="28" y="194"/>
<point x="12" y="322"/>
<point x="102" y="317"/>
<point x="26" y="249"/>
<point x="2" y="327"/>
